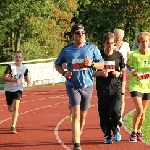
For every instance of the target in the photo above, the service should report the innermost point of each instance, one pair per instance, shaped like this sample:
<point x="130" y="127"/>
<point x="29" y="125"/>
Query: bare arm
<point x="98" y="65"/>
<point x="100" y="73"/>
<point x="6" y="78"/>
<point x="66" y="74"/>
<point x="97" y="73"/>
<point x="26" y="79"/>
<point x="59" y="69"/>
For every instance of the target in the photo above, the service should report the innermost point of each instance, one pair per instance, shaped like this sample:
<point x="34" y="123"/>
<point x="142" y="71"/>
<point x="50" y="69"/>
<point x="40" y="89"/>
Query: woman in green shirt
<point x="139" y="83"/>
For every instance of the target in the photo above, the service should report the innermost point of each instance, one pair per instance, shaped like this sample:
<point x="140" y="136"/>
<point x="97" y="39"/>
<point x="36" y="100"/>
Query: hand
<point x="17" y="81"/>
<point x="135" y="73"/>
<point x="87" y="61"/>
<point x="116" y="74"/>
<point x="68" y="75"/>
<point x="104" y="73"/>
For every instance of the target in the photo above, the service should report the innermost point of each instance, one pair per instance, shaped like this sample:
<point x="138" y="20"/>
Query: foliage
<point x="30" y="22"/>
<point x="101" y="16"/>
<point x="40" y="28"/>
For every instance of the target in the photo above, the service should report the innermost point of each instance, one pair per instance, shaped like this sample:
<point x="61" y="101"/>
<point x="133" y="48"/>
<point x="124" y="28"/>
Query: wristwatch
<point x="92" y="65"/>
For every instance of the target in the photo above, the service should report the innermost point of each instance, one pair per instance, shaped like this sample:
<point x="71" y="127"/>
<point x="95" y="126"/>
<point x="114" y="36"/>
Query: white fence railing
<point x="41" y="73"/>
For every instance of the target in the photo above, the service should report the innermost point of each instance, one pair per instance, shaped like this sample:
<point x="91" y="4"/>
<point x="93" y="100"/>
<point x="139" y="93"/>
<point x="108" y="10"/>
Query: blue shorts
<point x="10" y="96"/>
<point x="80" y="96"/>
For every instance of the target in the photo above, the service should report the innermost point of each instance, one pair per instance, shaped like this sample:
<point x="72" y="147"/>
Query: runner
<point x="13" y="76"/>
<point x="139" y="83"/>
<point x="109" y="89"/>
<point x="81" y="57"/>
<point x="122" y="47"/>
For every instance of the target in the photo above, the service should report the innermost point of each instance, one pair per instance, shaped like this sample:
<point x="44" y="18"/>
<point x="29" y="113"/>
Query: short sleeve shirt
<point x="111" y="84"/>
<point x="140" y="63"/>
<point x="124" y="50"/>
<point x="82" y="76"/>
<point x="15" y="72"/>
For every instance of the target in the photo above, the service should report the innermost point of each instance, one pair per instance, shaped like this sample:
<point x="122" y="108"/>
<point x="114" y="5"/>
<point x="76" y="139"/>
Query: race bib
<point x="144" y="76"/>
<point x="109" y="65"/>
<point x="78" y="65"/>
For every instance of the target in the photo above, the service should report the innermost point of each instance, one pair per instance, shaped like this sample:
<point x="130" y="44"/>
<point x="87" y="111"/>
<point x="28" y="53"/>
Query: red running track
<point x="43" y="124"/>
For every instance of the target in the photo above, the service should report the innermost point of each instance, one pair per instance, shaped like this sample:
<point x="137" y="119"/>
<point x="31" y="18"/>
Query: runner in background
<point x="13" y="76"/>
<point x="122" y="47"/>
<point x="139" y="83"/>
<point x="109" y="89"/>
<point x="81" y="57"/>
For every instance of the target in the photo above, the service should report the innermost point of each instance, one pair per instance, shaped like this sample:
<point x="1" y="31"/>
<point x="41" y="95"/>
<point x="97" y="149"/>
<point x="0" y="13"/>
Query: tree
<point x="36" y="27"/>
<point x="100" y="16"/>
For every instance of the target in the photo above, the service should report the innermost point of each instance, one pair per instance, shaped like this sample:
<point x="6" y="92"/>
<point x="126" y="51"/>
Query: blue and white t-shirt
<point x="82" y="76"/>
<point x="15" y="72"/>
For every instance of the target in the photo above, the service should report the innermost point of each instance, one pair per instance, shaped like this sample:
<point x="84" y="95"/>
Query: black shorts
<point x="144" y="96"/>
<point x="10" y="96"/>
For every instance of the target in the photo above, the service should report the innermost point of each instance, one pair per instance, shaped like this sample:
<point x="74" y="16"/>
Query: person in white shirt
<point x="13" y="76"/>
<point x="124" y="48"/>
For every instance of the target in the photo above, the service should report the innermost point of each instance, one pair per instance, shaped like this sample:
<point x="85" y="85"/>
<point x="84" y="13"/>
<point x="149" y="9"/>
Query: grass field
<point x="146" y="125"/>
<point x="2" y="68"/>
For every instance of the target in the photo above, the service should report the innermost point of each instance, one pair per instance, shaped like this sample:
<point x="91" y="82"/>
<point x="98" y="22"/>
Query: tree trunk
<point x="18" y="38"/>
<point x="12" y="42"/>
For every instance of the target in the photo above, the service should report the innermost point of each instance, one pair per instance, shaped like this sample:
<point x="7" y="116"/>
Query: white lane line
<point x="57" y="134"/>
<point x="31" y="93"/>
<point x="46" y="106"/>
<point x="40" y="99"/>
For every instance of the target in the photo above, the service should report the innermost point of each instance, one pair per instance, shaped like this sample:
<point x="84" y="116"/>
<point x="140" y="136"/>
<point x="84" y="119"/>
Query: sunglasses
<point x="79" y="32"/>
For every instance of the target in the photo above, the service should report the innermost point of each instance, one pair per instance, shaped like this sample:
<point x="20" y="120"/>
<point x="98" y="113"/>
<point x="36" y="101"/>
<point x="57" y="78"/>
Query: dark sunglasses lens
<point x="78" y="32"/>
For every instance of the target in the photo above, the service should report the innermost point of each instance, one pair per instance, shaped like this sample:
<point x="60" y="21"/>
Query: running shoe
<point x="107" y="139"/>
<point x="133" y="137"/>
<point x="77" y="148"/>
<point x="13" y="130"/>
<point x="70" y="117"/>
<point x="139" y="136"/>
<point x="117" y="137"/>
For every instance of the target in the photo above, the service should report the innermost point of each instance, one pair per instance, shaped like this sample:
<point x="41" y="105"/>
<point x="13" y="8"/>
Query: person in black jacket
<point x="109" y="89"/>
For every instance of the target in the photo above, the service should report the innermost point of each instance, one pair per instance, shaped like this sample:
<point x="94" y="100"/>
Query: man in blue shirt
<point x="81" y="58"/>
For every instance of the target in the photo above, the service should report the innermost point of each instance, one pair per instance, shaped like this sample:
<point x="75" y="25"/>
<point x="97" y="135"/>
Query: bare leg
<point x="15" y="109"/>
<point x="76" y="123"/>
<point x="138" y="113"/>
<point x="10" y="108"/>
<point x="145" y="104"/>
<point x="82" y="120"/>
